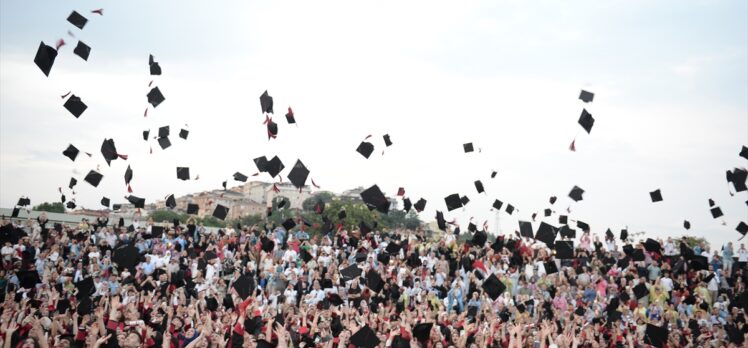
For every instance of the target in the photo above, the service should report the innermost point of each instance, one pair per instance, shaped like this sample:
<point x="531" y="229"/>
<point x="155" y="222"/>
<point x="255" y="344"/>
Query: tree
<point x="324" y="196"/>
<point x="166" y="215"/>
<point x="693" y="241"/>
<point x="55" y="207"/>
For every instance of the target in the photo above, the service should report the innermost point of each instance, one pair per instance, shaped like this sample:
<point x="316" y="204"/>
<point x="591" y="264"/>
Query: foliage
<point x="55" y="207"/>
<point x="169" y="215"/>
<point x="324" y="196"/>
<point x="693" y="241"/>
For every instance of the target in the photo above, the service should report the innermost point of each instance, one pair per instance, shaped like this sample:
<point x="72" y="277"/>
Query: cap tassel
<point x="276" y="189"/>
<point x="88" y="154"/>
<point x="573" y="147"/>
<point x="256" y="174"/>
<point x="65" y="95"/>
<point x="485" y="225"/>
<point x="99" y="12"/>
<point x="145" y="114"/>
<point x="124" y="157"/>
<point x="71" y="34"/>
<point x="150" y="83"/>
<point x="315" y="184"/>
<point x="59" y="44"/>
<point x="151" y="150"/>
<point x="197" y="177"/>
<point x="59" y="189"/>
<point x="129" y="188"/>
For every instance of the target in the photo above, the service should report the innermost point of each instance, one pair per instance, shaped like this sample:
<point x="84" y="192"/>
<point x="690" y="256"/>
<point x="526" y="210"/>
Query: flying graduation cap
<point x="220" y="212"/>
<point x="155" y="97"/>
<point x="71" y="152"/>
<point x="298" y="174"/>
<point x="109" y="151"/>
<point x="479" y="186"/>
<point x="453" y="201"/>
<point x="744" y="152"/>
<point x="375" y="199"/>
<point x="163" y="132"/>
<point x="407" y="204"/>
<point x="738" y="179"/>
<point x="155" y="69"/>
<point x="274" y="166"/>
<point x="93" y="178"/>
<point x="183" y="133"/>
<point x="716" y="212"/>
<point x="576" y="193"/>
<point x="75" y="105"/>
<point x="105" y="202"/>
<point x="136" y="201"/>
<point x="192" y="208"/>
<point x="656" y="196"/>
<point x="586" y="96"/>
<point x="171" y="202"/>
<point x="586" y="121"/>
<point x="77" y="20"/>
<point x="440" y="222"/>
<point x="387" y="141"/>
<point x="365" y="149"/>
<point x="240" y="177"/>
<point x="266" y="102"/>
<point x="290" y="117"/>
<point x="73" y="182"/>
<point x="420" y="205"/>
<point x="525" y="229"/>
<point x="467" y="147"/>
<point x="82" y="50"/>
<point x="45" y="58"/>
<point x="183" y="173"/>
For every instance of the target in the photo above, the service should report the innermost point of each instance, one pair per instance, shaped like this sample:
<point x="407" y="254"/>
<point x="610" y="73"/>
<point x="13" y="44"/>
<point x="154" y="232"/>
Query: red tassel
<point x="401" y="191"/>
<point x="315" y="184"/>
<point x="267" y="119"/>
<point x="145" y="114"/>
<point x="150" y="83"/>
<point x="276" y="189"/>
<point x="367" y="137"/>
<point x="99" y="12"/>
<point x="129" y="189"/>
<point x="65" y="95"/>
<point x="573" y="147"/>
<point x="124" y="157"/>
<point x="59" y="44"/>
<point x="255" y="174"/>
<point x="485" y="225"/>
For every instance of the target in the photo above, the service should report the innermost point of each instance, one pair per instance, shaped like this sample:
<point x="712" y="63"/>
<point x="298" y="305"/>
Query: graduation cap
<point x="422" y="331"/>
<point x="586" y="121"/>
<point x="374" y="281"/>
<point x="716" y="212"/>
<point x="640" y="290"/>
<point x="563" y="219"/>
<point x="564" y="249"/>
<point x="497" y="204"/>
<point x="583" y="226"/>
<point x="136" y="201"/>
<point x="93" y="178"/>
<point x="192" y="208"/>
<point x="126" y="257"/>
<point x="82" y="50"/>
<point x="738" y="178"/>
<point x="453" y="201"/>
<point x="70" y="205"/>
<point x="45" y="58"/>
<point x="73" y="182"/>
<point x="472" y="227"/>
<point x="289" y="116"/>
<point x="240" y="177"/>
<point x="350" y="272"/>
<point x="609" y="234"/>
<point x="28" y="279"/>
<point x="23" y="202"/>
<point x="550" y="267"/>
<point x="183" y="133"/>
<point x="305" y="255"/>
<point x="509" y="209"/>
<point x="289" y="224"/>
<point x="742" y="228"/>
<point x="163" y="132"/>
<point x="266" y="102"/>
<point x="116" y="206"/>
<point x="267" y="245"/>
<point x="75" y="105"/>
<point x="686" y="224"/>
<point x="637" y="254"/>
<point x="164" y="143"/>
<point x="420" y="205"/>
<point x="698" y="263"/>
<point x="407" y="204"/>
<point x="375" y="199"/>
<point x="298" y="174"/>
<point x="157" y="231"/>
<point x="365" y="337"/>
<point x="220" y="212"/>
<point x="493" y="174"/>
<point x="244" y="286"/>
<point x="387" y="141"/>
<point x="493" y="286"/>
<point x="440" y="222"/>
<point x="272" y="128"/>
<point x="77" y="20"/>
<point x="109" y="151"/>
<point x="546" y="234"/>
<point x="342" y="215"/>
<point x="153" y="66"/>
<point x="365" y="149"/>
<point x="71" y="152"/>
<point x="547" y="212"/>
<point x="655" y="335"/>
<point x="128" y="175"/>
<point x="567" y="232"/>
<point x="467" y="147"/>
<point x="479" y="186"/>
<point x="171" y="203"/>
<point x="155" y="97"/>
<point x="652" y="245"/>
<point x="624" y="234"/>
<point x="105" y="202"/>
<point x="464" y="200"/>
<point x="85" y="287"/>
<point x="183" y="173"/>
<point x="586" y="96"/>
<point x="274" y="166"/>
<point x="656" y="195"/>
<point x="576" y="193"/>
<point x="744" y="152"/>
<point x="261" y="163"/>
<point x="480" y="238"/>
<point x="525" y="229"/>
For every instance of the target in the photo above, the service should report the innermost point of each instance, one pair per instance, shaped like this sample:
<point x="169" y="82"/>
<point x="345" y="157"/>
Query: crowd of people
<point x="172" y="285"/>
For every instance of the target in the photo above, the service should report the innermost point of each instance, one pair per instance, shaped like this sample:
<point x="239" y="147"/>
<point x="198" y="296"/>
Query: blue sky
<point x="671" y="103"/>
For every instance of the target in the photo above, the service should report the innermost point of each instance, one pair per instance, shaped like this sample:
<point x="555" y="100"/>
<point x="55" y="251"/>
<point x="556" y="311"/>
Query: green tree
<point x="55" y="207"/>
<point x="693" y="241"/>
<point x="324" y="196"/>
<point x="166" y="215"/>
<point x="249" y="220"/>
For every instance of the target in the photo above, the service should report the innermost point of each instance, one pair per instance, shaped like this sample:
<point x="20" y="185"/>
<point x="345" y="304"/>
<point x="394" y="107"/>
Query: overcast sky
<point x="670" y="80"/>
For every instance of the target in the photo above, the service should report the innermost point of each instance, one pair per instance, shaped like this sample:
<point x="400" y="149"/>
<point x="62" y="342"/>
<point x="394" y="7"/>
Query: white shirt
<point x="667" y="284"/>
<point x="7" y="252"/>
<point x="315" y="296"/>
<point x="743" y="255"/>
<point x="669" y="248"/>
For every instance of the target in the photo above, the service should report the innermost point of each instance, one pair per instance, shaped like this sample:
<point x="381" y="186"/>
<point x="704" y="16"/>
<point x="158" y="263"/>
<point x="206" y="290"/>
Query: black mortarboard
<point x="153" y="66"/>
<point x="84" y="306"/>
<point x="479" y="186"/>
<point x="374" y="281"/>
<point x="744" y="152"/>
<point x="267" y="245"/>
<point x="420" y="205"/>
<point x="75" y="105"/>
<point x="637" y="254"/>
<point x="546" y="234"/>
<point x="136" y="201"/>
<point x="105" y="202"/>
<point x="240" y="177"/>
<point x="550" y="267"/>
<point x="164" y="143"/>
<point x="62" y="199"/>
<point x="742" y="228"/>
<point x="493" y="174"/>
<point x="472" y="227"/>
<point x="493" y="287"/>
<point x="652" y="245"/>
<point x="480" y="238"/>
<point x="192" y="208"/>
<point x="183" y="173"/>
<point x="85" y="287"/>
<point x="82" y="50"/>
<point x="464" y="200"/>
<point x="467" y="147"/>
<point x="547" y="212"/>
<point x="509" y="209"/>
<point x="73" y="182"/>
<point x="128" y="175"/>
<point x="656" y="195"/>
<point x="453" y="201"/>
<point x="640" y="290"/>
<point x="686" y="224"/>
<point x="109" y="151"/>
<point x="23" y="201"/>
<point x="586" y="96"/>
<point x="272" y="128"/>
<point x="274" y="166"/>
<point x="183" y="133"/>
<point x="163" y="132"/>
<point x="305" y="255"/>
<point x="586" y="121"/>
<point x="407" y="204"/>
<point x="116" y="206"/>
<point x="552" y="200"/>
<point x="583" y="226"/>
<point x="738" y="178"/>
<point x="392" y="248"/>
<point x="171" y="203"/>
<point x="45" y="58"/>
<point x="261" y="163"/>
<point x="157" y="231"/>
<point x="576" y="193"/>
<point x="579" y="311"/>
<point x="342" y="215"/>
<point x="375" y="199"/>
<point x="365" y="337"/>
<point x="28" y="279"/>
<point x="564" y="249"/>
<point x="563" y="219"/>
<point x="266" y="102"/>
<point x="422" y="331"/>
<point x="699" y="262"/>
<point x="624" y="234"/>
<point x="525" y="229"/>
<point x="77" y="20"/>
<point x="655" y="335"/>
<point x="365" y="149"/>
<point x="363" y="228"/>
<point x="350" y="272"/>
<point x="298" y="174"/>
<point x="387" y="141"/>
<point x="70" y="205"/>
<point x="716" y="212"/>
<point x="155" y="97"/>
<point x="567" y="232"/>
<point x="440" y="222"/>
<point x="71" y="152"/>
<point x="289" y="224"/>
<point x="497" y="204"/>
<point x="220" y="212"/>
<point x="244" y="286"/>
<point x="609" y="234"/>
<point x="711" y="202"/>
<point x="93" y="178"/>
